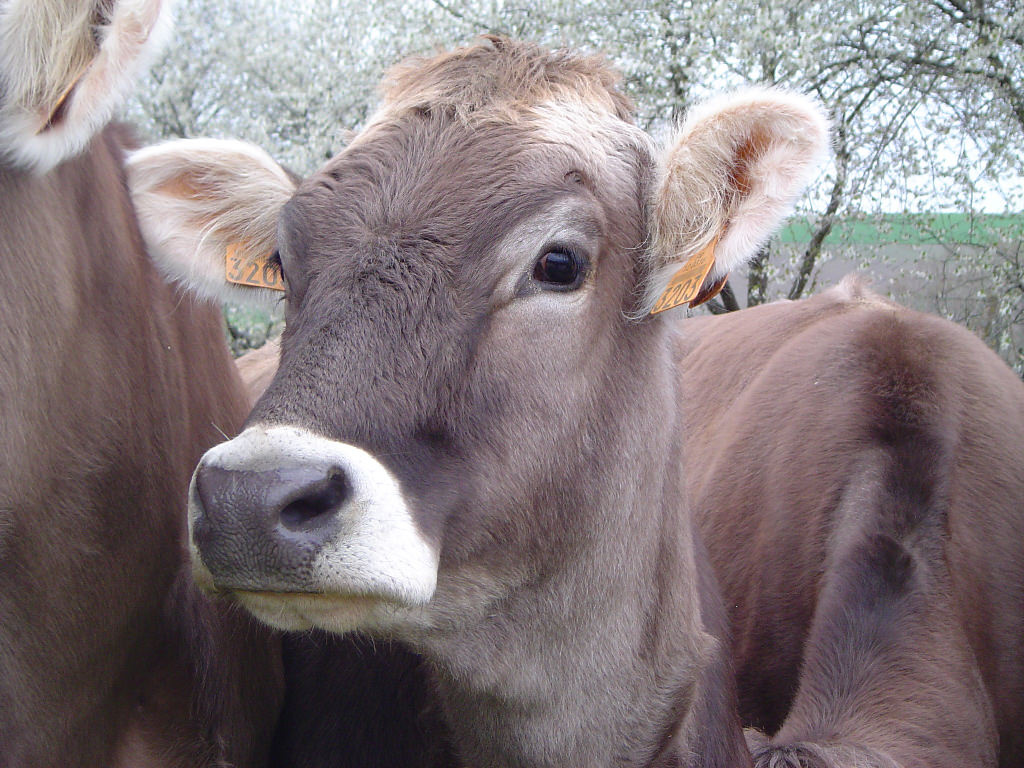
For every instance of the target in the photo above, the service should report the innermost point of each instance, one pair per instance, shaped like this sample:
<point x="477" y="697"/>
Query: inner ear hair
<point x="201" y="201"/>
<point x="748" y="154"/>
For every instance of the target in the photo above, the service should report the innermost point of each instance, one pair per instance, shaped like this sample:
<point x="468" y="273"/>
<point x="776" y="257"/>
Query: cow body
<point x="480" y="444"/>
<point x="257" y="368"/>
<point x="856" y="470"/>
<point x="113" y="384"/>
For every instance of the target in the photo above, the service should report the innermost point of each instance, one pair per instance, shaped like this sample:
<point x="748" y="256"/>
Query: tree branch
<point x="826" y="222"/>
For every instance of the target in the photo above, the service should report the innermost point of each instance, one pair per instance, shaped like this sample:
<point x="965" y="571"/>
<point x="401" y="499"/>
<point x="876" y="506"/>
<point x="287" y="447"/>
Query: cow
<point x="857" y="473"/>
<point x="113" y="384"/>
<point x="487" y="442"/>
<point x="742" y="491"/>
<point x="509" y="584"/>
<point x="257" y="368"/>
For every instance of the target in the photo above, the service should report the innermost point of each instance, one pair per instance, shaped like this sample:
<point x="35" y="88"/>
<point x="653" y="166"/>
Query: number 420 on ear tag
<point x="258" y="272"/>
<point x="686" y="283"/>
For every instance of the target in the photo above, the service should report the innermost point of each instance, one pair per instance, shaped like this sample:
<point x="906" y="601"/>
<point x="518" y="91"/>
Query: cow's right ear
<point x="65" y="66"/>
<point x="201" y="200"/>
<point x="726" y="182"/>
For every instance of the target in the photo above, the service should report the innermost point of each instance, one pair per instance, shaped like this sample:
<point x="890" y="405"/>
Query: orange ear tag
<point x="686" y="283"/>
<point x="57" y="110"/>
<point x="708" y="292"/>
<point x="258" y="273"/>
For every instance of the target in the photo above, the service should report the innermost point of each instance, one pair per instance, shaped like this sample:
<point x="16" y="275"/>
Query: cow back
<point x="852" y="460"/>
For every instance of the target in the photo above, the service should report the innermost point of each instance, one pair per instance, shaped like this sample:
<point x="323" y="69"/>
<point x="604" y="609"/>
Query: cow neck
<point x="598" y="663"/>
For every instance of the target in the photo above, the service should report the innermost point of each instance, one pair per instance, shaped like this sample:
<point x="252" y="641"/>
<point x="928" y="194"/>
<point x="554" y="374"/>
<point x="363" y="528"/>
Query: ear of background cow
<point x="733" y="171"/>
<point x="65" y="66"/>
<point x="196" y="197"/>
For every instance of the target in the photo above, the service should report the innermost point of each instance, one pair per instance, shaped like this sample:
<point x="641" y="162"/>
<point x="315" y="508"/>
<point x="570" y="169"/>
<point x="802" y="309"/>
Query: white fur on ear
<point x="195" y="197"/>
<point x="733" y="171"/>
<point x="65" y="66"/>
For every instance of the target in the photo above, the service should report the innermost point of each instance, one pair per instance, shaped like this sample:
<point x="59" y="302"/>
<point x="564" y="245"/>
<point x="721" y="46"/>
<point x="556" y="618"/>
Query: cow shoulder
<point x="258" y="367"/>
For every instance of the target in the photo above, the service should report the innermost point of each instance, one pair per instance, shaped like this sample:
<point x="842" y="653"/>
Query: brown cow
<point x="475" y="440"/>
<point x="446" y="455"/>
<point x="113" y="384"/>
<point x="257" y="367"/>
<point x="857" y="471"/>
<point x="745" y="377"/>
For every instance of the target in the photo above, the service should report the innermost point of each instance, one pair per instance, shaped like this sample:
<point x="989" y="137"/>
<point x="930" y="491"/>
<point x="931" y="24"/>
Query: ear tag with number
<point x="258" y="272"/>
<point x="686" y="283"/>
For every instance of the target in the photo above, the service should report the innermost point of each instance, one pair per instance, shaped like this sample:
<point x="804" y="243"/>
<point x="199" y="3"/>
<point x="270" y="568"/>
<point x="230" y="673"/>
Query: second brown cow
<point x="857" y="471"/>
<point x="112" y="384"/>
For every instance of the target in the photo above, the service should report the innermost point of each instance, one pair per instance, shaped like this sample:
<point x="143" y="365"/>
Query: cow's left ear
<point x="208" y="210"/>
<point x="65" y="66"/>
<point x="725" y="184"/>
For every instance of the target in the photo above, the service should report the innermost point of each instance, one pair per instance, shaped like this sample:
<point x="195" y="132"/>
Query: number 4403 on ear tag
<point x="258" y="273"/>
<point x="686" y="283"/>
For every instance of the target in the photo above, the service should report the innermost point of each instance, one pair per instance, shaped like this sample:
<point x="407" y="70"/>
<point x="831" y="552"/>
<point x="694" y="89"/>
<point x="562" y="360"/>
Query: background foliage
<point x="927" y="99"/>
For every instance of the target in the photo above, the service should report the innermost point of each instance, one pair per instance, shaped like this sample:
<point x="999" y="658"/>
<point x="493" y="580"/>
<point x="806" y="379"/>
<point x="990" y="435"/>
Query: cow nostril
<point x="326" y="499"/>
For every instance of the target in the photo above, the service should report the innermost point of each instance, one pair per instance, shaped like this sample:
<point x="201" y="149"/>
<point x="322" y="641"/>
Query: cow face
<point x="445" y="307"/>
<point x="467" y="362"/>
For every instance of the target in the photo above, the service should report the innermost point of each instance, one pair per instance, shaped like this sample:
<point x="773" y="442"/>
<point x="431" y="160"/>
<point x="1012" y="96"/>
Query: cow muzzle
<point x="307" y="531"/>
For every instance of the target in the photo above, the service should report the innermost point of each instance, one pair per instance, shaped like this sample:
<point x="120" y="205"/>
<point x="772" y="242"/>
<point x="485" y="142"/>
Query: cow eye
<point x="559" y="269"/>
<point x="275" y="261"/>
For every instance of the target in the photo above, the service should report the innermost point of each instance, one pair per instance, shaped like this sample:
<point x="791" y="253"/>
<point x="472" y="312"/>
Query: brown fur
<point x="857" y="473"/>
<point x="257" y="368"/>
<point x="478" y="86"/>
<point x="868" y="631"/>
<point x="113" y="384"/>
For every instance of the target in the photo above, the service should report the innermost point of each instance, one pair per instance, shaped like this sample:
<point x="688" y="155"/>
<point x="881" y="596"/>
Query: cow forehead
<point x="565" y="97"/>
<point x="485" y="124"/>
<point x="613" y="153"/>
<point x="605" y="143"/>
<point x="418" y="170"/>
<point x="497" y="80"/>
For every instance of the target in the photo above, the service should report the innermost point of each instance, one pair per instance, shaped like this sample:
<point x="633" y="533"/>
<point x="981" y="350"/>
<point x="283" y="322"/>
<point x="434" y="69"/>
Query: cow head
<point x="65" y="66"/>
<point x="471" y="391"/>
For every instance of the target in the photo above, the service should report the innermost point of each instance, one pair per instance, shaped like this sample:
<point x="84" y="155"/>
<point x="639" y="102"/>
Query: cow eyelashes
<point x="559" y="269"/>
<point x="276" y="262"/>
